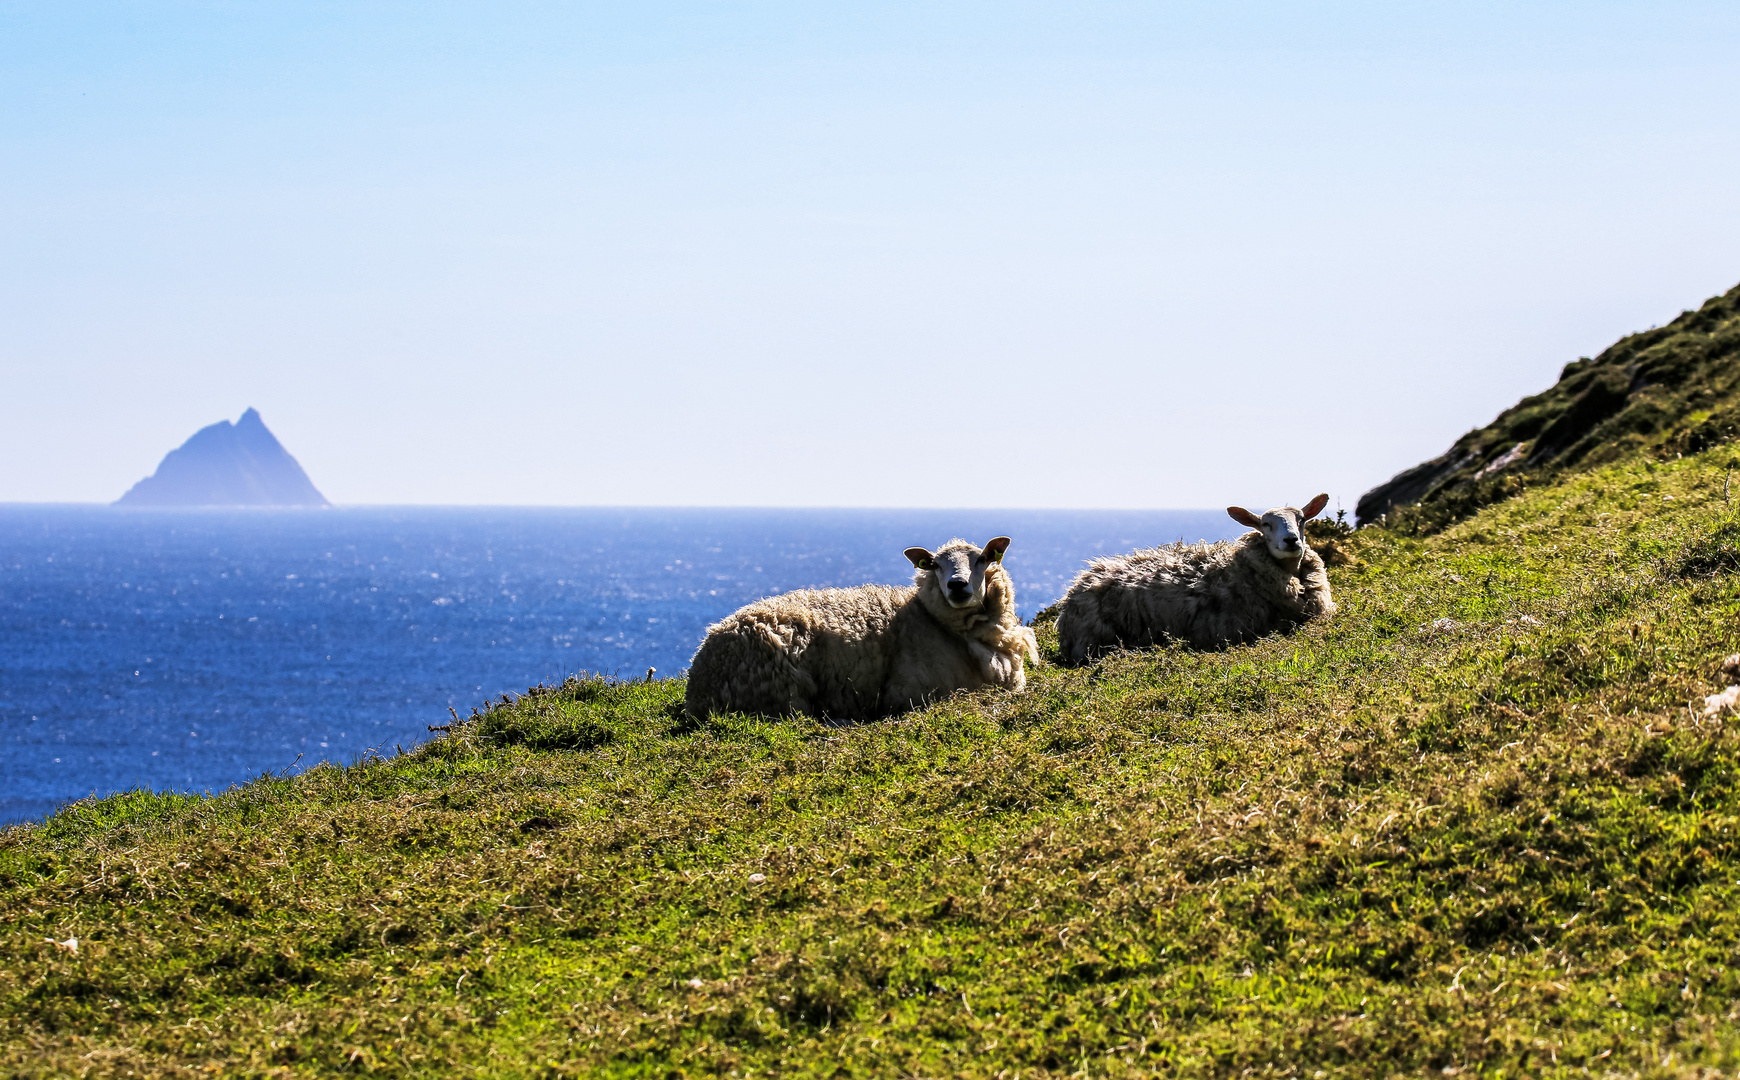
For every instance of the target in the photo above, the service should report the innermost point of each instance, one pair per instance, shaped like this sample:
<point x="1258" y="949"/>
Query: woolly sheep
<point x="1208" y="595"/>
<point x="871" y="651"/>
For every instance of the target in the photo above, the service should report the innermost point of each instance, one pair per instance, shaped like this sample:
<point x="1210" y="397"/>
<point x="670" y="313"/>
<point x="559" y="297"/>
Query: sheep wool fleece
<point x="1208" y="595"/>
<point x="861" y="653"/>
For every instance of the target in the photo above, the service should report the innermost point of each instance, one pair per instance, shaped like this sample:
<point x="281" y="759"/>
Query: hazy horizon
<point x="771" y="255"/>
<point x="604" y="506"/>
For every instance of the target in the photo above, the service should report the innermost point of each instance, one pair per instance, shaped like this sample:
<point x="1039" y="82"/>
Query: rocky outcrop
<point x="1407" y="487"/>
<point x="239" y="464"/>
<point x="1675" y="388"/>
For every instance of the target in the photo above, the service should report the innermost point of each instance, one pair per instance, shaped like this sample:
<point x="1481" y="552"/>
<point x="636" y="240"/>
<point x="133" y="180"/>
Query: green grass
<point x="1473" y="825"/>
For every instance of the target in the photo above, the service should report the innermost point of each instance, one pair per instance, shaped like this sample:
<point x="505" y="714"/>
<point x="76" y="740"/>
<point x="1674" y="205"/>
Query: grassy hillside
<point x="1668" y="390"/>
<point x="1474" y="824"/>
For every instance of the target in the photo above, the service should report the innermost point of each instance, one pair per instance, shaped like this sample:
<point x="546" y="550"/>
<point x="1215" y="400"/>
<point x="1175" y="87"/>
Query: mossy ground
<point x="1474" y="824"/>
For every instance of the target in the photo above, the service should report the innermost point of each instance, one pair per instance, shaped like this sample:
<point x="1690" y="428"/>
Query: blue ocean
<point x="195" y="649"/>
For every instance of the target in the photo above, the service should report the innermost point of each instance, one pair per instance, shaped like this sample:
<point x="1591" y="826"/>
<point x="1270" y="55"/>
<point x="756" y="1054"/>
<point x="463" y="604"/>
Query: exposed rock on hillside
<point x="1674" y="387"/>
<point x="240" y="464"/>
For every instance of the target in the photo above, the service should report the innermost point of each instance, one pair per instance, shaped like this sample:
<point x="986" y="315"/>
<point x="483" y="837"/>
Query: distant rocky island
<point x="239" y="464"/>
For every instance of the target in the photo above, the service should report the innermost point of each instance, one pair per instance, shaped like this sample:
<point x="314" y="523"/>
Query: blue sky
<point x="783" y="254"/>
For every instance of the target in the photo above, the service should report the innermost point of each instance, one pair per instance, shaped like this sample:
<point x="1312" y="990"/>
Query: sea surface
<point x="196" y="649"/>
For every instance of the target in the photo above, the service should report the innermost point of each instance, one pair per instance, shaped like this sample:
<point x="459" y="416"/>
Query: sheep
<point x="1208" y="595"/>
<point x="847" y="655"/>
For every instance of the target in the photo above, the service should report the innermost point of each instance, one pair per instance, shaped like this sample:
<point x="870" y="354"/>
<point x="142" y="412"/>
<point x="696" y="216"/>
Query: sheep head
<point x="958" y="568"/>
<point x="1283" y="528"/>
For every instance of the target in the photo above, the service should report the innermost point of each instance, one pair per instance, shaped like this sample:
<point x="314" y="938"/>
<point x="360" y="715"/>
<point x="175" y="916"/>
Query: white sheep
<point x="1208" y="595"/>
<point x="871" y="651"/>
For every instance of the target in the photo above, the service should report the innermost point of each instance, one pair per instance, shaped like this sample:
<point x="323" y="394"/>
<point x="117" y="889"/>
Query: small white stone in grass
<point x="1529" y="620"/>
<point x="696" y="984"/>
<point x="70" y="945"/>
<point x="757" y="879"/>
<point x="1716" y="704"/>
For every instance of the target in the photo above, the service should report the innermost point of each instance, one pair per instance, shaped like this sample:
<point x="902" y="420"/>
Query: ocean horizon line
<point x="71" y="504"/>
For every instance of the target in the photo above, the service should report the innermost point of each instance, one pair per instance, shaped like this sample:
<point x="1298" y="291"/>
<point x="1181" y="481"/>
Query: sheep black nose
<point x="958" y="586"/>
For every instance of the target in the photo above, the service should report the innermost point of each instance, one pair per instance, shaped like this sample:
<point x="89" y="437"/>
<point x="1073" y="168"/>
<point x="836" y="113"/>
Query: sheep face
<point x="1283" y="528"/>
<point x="958" y="568"/>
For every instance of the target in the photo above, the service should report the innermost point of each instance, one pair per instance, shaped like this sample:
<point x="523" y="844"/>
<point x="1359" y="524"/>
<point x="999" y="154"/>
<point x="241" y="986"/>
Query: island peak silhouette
<point x="225" y="464"/>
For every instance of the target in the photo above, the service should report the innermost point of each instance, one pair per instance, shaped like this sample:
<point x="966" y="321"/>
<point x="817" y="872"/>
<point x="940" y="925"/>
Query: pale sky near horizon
<point x="1095" y="255"/>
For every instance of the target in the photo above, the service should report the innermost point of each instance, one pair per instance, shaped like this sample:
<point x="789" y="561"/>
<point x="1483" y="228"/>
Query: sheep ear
<point x="1314" y="507"/>
<point x="1244" y="517"/>
<point x="921" y="558"/>
<point x="994" y="549"/>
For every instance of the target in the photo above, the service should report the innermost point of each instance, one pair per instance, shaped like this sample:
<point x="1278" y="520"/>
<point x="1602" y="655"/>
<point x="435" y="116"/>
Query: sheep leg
<point x="996" y="667"/>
